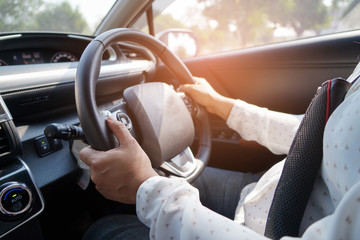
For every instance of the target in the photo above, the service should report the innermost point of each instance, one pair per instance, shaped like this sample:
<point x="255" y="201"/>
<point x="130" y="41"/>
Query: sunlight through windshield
<point x="223" y="25"/>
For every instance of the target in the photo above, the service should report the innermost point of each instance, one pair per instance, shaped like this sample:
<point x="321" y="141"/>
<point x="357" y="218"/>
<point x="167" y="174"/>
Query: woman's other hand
<point x="204" y="94"/>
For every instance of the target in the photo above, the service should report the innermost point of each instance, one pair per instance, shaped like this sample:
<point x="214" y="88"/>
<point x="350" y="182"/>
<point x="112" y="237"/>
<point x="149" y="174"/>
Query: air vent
<point x="4" y="144"/>
<point x="129" y="53"/>
<point x="135" y="52"/>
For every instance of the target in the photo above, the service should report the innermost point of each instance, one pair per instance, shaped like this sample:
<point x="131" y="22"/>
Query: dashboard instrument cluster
<point x="34" y="56"/>
<point x="38" y="48"/>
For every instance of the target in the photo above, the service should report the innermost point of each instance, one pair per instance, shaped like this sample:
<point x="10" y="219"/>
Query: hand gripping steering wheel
<point x="153" y="112"/>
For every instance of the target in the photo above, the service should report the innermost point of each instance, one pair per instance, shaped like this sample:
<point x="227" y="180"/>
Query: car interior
<point x="58" y="88"/>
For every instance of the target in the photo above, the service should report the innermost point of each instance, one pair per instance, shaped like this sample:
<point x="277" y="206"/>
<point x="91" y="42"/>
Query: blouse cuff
<point x="153" y="193"/>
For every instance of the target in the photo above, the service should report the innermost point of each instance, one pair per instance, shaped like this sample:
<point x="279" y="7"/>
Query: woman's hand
<point x="205" y="95"/>
<point x="119" y="172"/>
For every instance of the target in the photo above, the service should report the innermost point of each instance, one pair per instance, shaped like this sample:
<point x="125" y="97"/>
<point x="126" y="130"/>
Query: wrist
<point x="222" y="106"/>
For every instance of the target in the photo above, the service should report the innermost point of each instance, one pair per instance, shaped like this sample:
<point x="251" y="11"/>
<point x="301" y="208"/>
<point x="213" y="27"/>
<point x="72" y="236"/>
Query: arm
<point x="172" y="210"/>
<point x="272" y="129"/>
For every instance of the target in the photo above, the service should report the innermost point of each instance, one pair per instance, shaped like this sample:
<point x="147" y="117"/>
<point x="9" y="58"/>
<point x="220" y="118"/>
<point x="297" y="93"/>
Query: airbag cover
<point x="166" y="127"/>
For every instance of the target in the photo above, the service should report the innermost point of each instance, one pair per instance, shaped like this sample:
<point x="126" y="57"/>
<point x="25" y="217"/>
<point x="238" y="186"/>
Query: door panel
<point x="282" y="77"/>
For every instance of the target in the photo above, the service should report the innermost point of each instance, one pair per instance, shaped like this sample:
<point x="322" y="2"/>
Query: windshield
<point x="224" y="25"/>
<point x="74" y="16"/>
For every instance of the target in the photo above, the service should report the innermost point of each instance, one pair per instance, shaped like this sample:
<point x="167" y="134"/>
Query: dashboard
<point x="37" y="48"/>
<point x="37" y="80"/>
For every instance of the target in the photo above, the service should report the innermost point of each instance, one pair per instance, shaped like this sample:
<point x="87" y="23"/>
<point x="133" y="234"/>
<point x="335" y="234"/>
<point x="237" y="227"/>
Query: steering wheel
<point x="153" y="112"/>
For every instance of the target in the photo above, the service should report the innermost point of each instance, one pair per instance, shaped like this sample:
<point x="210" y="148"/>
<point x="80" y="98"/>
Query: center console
<point x="20" y="198"/>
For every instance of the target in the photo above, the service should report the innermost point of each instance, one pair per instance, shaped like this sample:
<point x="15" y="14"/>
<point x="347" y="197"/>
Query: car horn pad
<point x="166" y="127"/>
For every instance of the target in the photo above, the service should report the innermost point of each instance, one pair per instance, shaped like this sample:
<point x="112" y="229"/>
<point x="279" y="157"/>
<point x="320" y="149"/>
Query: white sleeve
<point x="172" y="209"/>
<point x="271" y="129"/>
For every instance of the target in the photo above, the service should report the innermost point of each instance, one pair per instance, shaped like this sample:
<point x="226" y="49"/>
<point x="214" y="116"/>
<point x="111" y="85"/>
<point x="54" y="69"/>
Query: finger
<point x="187" y="88"/>
<point x="199" y="80"/>
<point x="196" y="80"/>
<point x="87" y="155"/>
<point x="120" y="131"/>
<point x="183" y="88"/>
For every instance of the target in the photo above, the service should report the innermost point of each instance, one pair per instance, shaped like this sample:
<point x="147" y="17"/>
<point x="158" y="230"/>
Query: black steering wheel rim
<point x="93" y="122"/>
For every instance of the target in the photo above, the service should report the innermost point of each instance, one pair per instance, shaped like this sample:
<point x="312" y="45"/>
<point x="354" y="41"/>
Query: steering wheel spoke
<point x="192" y="106"/>
<point x="120" y="112"/>
<point x="182" y="165"/>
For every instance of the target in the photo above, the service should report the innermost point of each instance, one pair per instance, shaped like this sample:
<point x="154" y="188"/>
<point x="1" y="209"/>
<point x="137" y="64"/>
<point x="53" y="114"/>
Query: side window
<point x="221" y="25"/>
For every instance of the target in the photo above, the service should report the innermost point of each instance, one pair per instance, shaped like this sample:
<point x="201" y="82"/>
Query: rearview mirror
<point x="183" y="42"/>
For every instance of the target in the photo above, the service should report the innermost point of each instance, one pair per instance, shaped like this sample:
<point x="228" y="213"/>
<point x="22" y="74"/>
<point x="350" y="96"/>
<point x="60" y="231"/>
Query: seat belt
<point x="303" y="162"/>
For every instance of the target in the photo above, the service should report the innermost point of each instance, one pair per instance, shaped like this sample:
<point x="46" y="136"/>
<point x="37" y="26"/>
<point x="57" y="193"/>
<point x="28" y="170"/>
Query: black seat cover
<point x="303" y="162"/>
